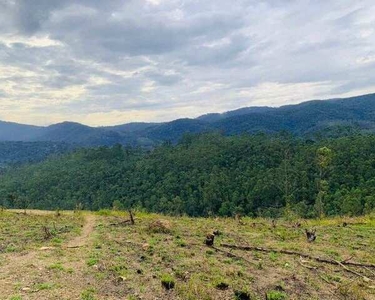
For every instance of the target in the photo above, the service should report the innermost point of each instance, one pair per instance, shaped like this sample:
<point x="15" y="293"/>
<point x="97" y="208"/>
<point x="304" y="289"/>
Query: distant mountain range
<point x="325" y="117"/>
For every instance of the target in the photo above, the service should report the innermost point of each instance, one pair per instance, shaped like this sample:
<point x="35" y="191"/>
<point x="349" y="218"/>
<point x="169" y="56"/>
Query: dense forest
<point x="207" y="174"/>
<point x="18" y="153"/>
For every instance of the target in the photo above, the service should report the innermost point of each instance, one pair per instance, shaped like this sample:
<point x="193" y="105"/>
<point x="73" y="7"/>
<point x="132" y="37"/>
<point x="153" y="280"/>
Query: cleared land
<point x="45" y="255"/>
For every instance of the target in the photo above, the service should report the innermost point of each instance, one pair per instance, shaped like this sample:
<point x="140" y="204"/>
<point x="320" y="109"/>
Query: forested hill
<point x="207" y="174"/>
<point x="328" y="118"/>
<point x="16" y="153"/>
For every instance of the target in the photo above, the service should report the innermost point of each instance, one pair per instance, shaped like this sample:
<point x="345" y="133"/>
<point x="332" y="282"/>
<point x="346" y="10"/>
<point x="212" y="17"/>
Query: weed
<point x="276" y="295"/>
<point x="92" y="262"/>
<point x="88" y="294"/>
<point x="44" y="286"/>
<point x="167" y="281"/>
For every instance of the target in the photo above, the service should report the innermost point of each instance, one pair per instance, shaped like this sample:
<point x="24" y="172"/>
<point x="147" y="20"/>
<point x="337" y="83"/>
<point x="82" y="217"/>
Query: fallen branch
<point x="230" y="254"/>
<point x="304" y="255"/>
<point x="74" y="247"/>
<point x="122" y="223"/>
<point x="366" y="279"/>
<point x="302" y="263"/>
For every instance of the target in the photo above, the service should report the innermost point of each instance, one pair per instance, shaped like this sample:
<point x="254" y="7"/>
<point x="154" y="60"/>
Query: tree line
<point x="207" y="175"/>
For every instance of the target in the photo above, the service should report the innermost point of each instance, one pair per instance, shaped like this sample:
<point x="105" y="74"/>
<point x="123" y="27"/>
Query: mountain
<point x="132" y="127"/>
<point x="325" y="117"/>
<point x="17" y="132"/>
<point x="238" y="112"/>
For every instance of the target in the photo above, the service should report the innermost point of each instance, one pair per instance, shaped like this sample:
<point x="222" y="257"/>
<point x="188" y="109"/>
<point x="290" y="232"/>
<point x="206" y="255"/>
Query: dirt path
<point x="78" y="241"/>
<point x="28" y="270"/>
<point x="87" y="230"/>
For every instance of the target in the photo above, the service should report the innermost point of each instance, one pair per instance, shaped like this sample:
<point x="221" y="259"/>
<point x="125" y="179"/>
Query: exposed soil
<point x="32" y="275"/>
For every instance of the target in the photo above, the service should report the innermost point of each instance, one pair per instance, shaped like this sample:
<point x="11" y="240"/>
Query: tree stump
<point x="310" y="235"/>
<point x="210" y="238"/>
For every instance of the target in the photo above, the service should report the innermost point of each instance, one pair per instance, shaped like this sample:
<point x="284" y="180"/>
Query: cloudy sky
<point x="104" y="62"/>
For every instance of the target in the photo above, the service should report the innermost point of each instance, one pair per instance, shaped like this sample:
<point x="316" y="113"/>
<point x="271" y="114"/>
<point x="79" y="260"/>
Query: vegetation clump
<point x="276" y="295"/>
<point x="160" y="226"/>
<point x="168" y="282"/>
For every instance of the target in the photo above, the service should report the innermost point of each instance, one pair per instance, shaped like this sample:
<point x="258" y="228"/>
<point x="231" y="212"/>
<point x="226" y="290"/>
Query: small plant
<point x="274" y="256"/>
<point x="168" y="282"/>
<point x="276" y="295"/>
<point x="45" y="286"/>
<point x="57" y="266"/>
<point x="88" y="295"/>
<point x="92" y="262"/>
<point x="15" y="298"/>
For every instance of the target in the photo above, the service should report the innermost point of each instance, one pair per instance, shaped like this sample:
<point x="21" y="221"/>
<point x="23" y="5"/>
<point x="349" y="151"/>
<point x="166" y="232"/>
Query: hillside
<point x="18" y="132"/>
<point x="335" y="117"/>
<point x="15" y="153"/>
<point x="99" y="256"/>
<point x="207" y="175"/>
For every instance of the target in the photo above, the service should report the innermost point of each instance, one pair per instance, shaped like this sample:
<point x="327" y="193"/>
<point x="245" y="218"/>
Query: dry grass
<point x="137" y="262"/>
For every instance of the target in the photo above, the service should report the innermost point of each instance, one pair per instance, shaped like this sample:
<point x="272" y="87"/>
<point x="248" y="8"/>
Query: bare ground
<point x="31" y="274"/>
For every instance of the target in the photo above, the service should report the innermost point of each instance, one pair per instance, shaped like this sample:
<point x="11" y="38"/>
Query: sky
<point x="104" y="62"/>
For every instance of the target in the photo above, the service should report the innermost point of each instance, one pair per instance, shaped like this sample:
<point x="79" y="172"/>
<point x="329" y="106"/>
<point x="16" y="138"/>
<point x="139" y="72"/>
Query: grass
<point x="19" y="232"/>
<point x="276" y="295"/>
<point x="168" y="282"/>
<point x="146" y="261"/>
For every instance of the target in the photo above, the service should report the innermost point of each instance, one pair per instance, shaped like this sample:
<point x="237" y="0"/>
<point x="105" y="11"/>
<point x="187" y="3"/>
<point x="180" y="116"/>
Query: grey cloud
<point x="132" y="54"/>
<point x="164" y="78"/>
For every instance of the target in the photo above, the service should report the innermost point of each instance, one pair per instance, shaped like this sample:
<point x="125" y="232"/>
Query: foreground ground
<point x="66" y="255"/>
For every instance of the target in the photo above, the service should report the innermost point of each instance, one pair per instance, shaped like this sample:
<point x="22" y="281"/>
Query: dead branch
<point x="122" y="223"/>
<point x="125" y="222"/>
<point x="47" y="233"/>
<point x="353" y="272"/>
<point x="302" y="263"/>
<point x="131" y="217"/>
<point x="304" y="255"/>
<point x="230" y="254"/>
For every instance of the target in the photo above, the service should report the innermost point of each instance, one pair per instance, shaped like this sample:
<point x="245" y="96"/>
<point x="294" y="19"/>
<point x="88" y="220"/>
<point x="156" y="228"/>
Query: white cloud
<point x="102" y="62"/>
